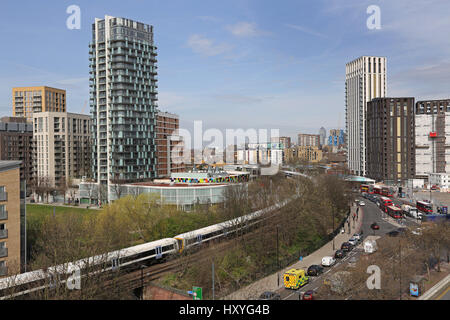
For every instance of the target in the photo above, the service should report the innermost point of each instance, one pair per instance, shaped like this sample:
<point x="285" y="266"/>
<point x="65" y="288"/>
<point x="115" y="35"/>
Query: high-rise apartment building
<point x="365" y="79"/>
<point x="390" y="135"/>
<point x="29" y="100"/>
<point x="432" y="119"/>
<point x="10" y="218"/>
<point x="16" y="143"/>
<point x="323" y="136"/>
<point x="167" y="139"/>
<point x="308" y="139"/>
<point x="123" y="100"/>
<point x="62" y="147"/>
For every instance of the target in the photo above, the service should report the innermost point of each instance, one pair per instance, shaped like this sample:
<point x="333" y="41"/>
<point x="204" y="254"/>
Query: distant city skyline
<point x="237" y="64"/>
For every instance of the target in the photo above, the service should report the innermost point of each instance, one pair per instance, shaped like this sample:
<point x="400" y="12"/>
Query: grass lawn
<point x="41" y="211"/>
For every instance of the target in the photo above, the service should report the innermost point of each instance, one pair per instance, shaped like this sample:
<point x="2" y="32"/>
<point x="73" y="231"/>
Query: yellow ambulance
<point x="295" y="278"/>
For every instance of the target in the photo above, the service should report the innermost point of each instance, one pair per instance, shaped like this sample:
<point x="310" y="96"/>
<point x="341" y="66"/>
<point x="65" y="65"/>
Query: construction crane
<point x="84" y="107"/>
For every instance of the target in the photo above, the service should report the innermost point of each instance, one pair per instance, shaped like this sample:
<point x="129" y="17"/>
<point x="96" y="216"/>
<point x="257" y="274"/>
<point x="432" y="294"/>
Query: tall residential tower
<point x="365" y="79"/>
<point x="123" y="101"/>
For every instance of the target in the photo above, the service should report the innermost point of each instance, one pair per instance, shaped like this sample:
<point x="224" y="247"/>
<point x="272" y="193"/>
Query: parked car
<point x="339" y="254"/>
<point x="375" y="226"/>
<point x="314" y="270"/>
<point x="308" y="295"/>
<point x="346" y="247"/>
<point x="353" y="241"/>
<point x="362" y="203"/>
<point x="328" y="261"/>
<point x="357" y="236"/>
<point x="269" y="295"/>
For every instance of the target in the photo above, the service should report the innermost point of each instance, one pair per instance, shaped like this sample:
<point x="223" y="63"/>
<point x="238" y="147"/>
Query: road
<point x="444" y="295"/>
<point x="371" y="214"/>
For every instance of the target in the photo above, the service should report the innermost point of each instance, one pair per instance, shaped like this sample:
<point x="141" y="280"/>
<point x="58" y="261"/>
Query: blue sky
<point x="237" y="64"/>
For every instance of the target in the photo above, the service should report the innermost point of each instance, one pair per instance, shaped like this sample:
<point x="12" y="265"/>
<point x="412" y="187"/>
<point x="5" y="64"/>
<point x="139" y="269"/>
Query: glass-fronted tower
<point x="123" y="100"/>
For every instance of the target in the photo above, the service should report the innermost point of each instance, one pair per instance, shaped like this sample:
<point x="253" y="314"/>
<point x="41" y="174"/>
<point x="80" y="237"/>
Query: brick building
<point x="167" y="138"/>
<point x="390" y="140"/>
<point x="16" y="143"/>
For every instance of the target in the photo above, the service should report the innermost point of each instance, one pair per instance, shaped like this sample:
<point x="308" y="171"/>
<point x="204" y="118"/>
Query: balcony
<point x="3" y="196"/>
<point x="3" y="253"/>
<point x="4" y="215"/>
<point x="3" y="233"/>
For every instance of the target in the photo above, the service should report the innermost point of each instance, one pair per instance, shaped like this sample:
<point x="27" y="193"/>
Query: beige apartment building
<point x="62" y="146"/>
<point x="303" y="153"/>
<point x="9" y="217"/>
<point x="29" y="100"/>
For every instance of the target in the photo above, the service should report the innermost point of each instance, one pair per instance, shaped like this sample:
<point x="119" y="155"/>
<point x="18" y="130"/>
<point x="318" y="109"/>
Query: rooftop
<point x="9" y="165"/>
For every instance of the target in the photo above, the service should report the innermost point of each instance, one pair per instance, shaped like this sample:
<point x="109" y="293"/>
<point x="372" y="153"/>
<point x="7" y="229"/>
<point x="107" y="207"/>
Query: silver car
<point x="353" y="241"/>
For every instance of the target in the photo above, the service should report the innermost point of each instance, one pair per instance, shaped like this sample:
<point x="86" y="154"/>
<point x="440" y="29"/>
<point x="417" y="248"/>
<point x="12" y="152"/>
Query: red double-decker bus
<point x="394" y="212"/>
<point x="385" y="203"/>
<point x="376" y="190"/>
<point x="386" y="191"/>
<point x="364" y="188"/>
<point x="425" y="207"/>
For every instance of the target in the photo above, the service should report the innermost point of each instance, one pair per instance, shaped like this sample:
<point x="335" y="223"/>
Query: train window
<point x="199" y="238"/>
<point x="158" y="252"/>
<point x="167" y="248"/>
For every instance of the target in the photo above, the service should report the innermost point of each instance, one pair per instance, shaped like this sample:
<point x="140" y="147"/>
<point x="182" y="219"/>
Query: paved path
<point x="274" y="281"/>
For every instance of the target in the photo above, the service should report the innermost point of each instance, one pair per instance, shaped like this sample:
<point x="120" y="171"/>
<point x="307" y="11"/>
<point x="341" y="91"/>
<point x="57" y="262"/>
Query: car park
<point x="346" y="246"/>
<point x="339" y="254"/>
<point x="328" y="261"/>
<point x="314" y="270"/>
<point x="269" y="295"/>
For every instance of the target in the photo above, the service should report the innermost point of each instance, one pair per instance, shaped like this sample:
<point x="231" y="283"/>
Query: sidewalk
<point x="270" y="283"/>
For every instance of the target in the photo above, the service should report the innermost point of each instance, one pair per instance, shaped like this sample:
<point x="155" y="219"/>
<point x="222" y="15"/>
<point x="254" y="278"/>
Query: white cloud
<point x="245" y="29"/>
<point x="202" y="45"/>
<point x="306" y="30"/>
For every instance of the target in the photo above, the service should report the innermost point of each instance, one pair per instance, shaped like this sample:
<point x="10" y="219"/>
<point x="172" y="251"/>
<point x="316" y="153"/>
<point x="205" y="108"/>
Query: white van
<point x="328" y="261"/>
<point x="370" y="246"/>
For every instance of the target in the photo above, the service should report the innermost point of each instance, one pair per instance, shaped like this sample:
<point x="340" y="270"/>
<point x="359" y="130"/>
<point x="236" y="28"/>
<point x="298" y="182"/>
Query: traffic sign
<point x="197" y="293"/>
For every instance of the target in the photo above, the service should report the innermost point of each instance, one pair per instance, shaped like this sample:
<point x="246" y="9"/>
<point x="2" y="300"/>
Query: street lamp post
<point x="278" y="261"/>
<point x="332" y="210"/>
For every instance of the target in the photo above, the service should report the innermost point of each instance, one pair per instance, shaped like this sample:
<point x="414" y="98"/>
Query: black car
<point x="393" y="233"/>
<point x="269" y="295"/>
<point x="339" y="254"/>
<point x="314" y="270"/>
<point x="346" y="246"/>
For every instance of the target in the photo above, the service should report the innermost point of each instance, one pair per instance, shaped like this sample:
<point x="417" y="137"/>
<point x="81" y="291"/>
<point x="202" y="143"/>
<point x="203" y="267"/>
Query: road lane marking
<point x="442" y="294"/>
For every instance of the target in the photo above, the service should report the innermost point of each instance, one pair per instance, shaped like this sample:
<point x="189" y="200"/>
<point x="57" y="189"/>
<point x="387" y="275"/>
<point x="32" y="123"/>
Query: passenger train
<point x="133" y="257"/>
